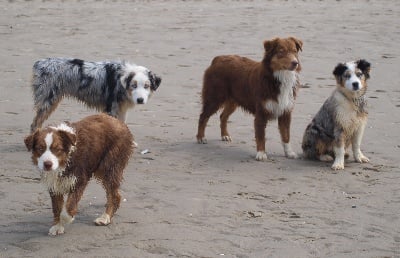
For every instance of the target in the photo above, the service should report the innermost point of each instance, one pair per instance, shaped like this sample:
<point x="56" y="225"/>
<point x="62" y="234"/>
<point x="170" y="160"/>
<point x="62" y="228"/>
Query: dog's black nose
<point x="355" y="85"/>
<point x="140" y="100"/>
<point x="47" y="165"/>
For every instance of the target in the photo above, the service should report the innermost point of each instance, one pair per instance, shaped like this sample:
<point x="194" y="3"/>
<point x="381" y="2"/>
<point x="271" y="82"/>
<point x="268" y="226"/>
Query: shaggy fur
<point x="341" y="120"/>
<point x="266" y="89"/>
<point x="110" y="87"/>
<point x="68" y="156"/>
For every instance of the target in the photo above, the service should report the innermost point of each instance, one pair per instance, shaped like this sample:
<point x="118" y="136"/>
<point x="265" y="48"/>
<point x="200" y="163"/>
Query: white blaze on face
<point x="352" y="82"/>
<point x="141" y="81"/>
<point x="48" y="156"/>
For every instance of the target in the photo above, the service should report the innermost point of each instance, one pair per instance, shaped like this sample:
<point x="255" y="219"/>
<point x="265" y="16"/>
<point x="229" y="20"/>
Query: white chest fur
<point x="346" y="115"/>
<point x="56" y="183"/>
<point x="285" y="100"/>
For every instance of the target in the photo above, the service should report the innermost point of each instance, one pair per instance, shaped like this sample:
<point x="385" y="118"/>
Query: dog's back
<point x="103" y="144"/>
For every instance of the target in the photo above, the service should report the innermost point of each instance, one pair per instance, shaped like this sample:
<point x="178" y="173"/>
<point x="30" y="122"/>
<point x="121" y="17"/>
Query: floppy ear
<point x="30" y="141"/>
<point x="298" y="42"/>
<point x="69" y="139"/>
<point x="269" y="45"/>
<point x="155" y="81"/>
<point x="364" y="66"/>
<point x="339" y="70"/>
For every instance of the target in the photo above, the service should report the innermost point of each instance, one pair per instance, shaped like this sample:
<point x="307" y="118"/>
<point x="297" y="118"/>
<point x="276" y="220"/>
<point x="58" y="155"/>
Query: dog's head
<point x="283" y="54"/>
<point x="352" y="76"/>
<point x="140" y="83"/>
<point x="51" y="147"/>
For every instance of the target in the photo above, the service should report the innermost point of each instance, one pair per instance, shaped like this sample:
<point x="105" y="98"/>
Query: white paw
<point x="103" y="220"/>
<point x="326" y="158"/>
<point x="55" y="230"/>
<point x="65" y="217"/>
<point x="361" y="158"/>
<point x="202" y="140"/>
<point x="338" y="166"/>
<point x="226" y="138"/>
<point x="261" y="156"/>
<point x="289" y="153"/>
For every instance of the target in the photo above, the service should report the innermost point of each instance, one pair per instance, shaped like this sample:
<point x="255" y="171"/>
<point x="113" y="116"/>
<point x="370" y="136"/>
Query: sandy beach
<point x="183" y="199"/>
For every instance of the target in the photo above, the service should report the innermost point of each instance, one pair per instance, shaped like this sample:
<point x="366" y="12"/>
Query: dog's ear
<point x="155" y="80"/>
<point x="298" y="43"/>
<point x="339" y="70"/>
<point x="69" y="139"/>
<point x="30" y="141"/>
<point x="364" y="66"/>
<point x="269" y="45"/>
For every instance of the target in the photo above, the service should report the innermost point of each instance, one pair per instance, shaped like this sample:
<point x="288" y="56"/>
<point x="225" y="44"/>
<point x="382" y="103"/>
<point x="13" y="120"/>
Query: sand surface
<point x="188" y="200"/>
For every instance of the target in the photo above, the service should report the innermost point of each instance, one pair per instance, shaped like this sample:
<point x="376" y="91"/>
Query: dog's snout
<point x="355" y="85"/>
<point x="294" y="64"/>
<point x="47" y="165"/>
<point x="140" y="100"/>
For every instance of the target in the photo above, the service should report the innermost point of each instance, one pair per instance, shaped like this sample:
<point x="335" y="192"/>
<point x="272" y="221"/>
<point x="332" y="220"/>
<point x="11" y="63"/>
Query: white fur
<point x="57" y="229"/>
<point x="353" y="77"/>
<point x="285" y="102"/>
<point x="48" y="155"/>
<point x="288" y="151"/>
<point x="142" y="82"/>
<point x="261" y="155"/>
<point x="64" y="127"/>
<point x="338" y="164"/>
<point x="103" y="220"/>
<point x="56" y="183"/>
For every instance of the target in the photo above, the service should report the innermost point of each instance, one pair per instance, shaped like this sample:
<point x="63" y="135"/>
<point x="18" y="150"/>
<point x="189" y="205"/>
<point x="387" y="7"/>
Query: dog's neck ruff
<point x="360" y="102"/>
<point x="57" y="183"/>
<point x="285" y="100"/>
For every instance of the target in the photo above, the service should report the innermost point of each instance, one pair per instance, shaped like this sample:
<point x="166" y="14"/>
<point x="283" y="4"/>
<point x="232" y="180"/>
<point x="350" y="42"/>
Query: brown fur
<point x="233" y="81"/>
<point x="100" y="147"/>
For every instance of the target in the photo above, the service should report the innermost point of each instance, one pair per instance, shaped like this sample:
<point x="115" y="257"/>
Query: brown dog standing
<point x="266" y="89"/>
<point x="68" y="156"/>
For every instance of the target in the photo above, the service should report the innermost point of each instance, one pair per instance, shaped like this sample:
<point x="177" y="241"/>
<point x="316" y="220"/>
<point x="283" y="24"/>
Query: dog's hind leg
<point x="229" y="108"/>
<point x="113" y="202"/>
<point x="43" y="111"/>
<point x="208" y="110"/>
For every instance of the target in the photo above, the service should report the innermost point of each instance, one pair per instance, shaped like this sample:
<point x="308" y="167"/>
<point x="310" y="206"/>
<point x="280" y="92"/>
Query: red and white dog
<point x="68" y="156"/>
<point x="266" y="89"/>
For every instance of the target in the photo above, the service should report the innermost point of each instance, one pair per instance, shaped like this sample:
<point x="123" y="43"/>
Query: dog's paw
<point x="289" y="153"/>
<point x="338" y="166"/>
<point x="135" y="144"/>
<point x="226" y="138"/>
<point x="201" y="140"/>
<point x="65" y="217"/>
<point x="103" y="220"/>
<point x="326" y="158"/>
<point x="261" y="156"/>
<point x="55" y="230"/>
<point x="361" y="158"/>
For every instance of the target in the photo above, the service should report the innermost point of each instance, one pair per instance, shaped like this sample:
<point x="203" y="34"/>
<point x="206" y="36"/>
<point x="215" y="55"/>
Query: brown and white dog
<point x="266" y="89"/>
<point x="341" y="120"/>
<point x="68" y="156"/>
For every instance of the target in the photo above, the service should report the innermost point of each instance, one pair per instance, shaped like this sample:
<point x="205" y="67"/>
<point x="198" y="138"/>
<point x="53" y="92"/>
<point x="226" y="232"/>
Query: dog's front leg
<point x="260" y="123"/>
<point x="284" y="129"/>
<point x="339" y="151"/>
<point x="356" y="143"/>
<point x="57" y="201"/>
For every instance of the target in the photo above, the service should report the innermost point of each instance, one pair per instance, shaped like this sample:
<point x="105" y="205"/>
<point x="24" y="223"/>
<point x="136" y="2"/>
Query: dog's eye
<point x="134" y="85"/>
<point x="359" y="74"/>
<point x="347" y="76"/>
<point x="147" y="85"/>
